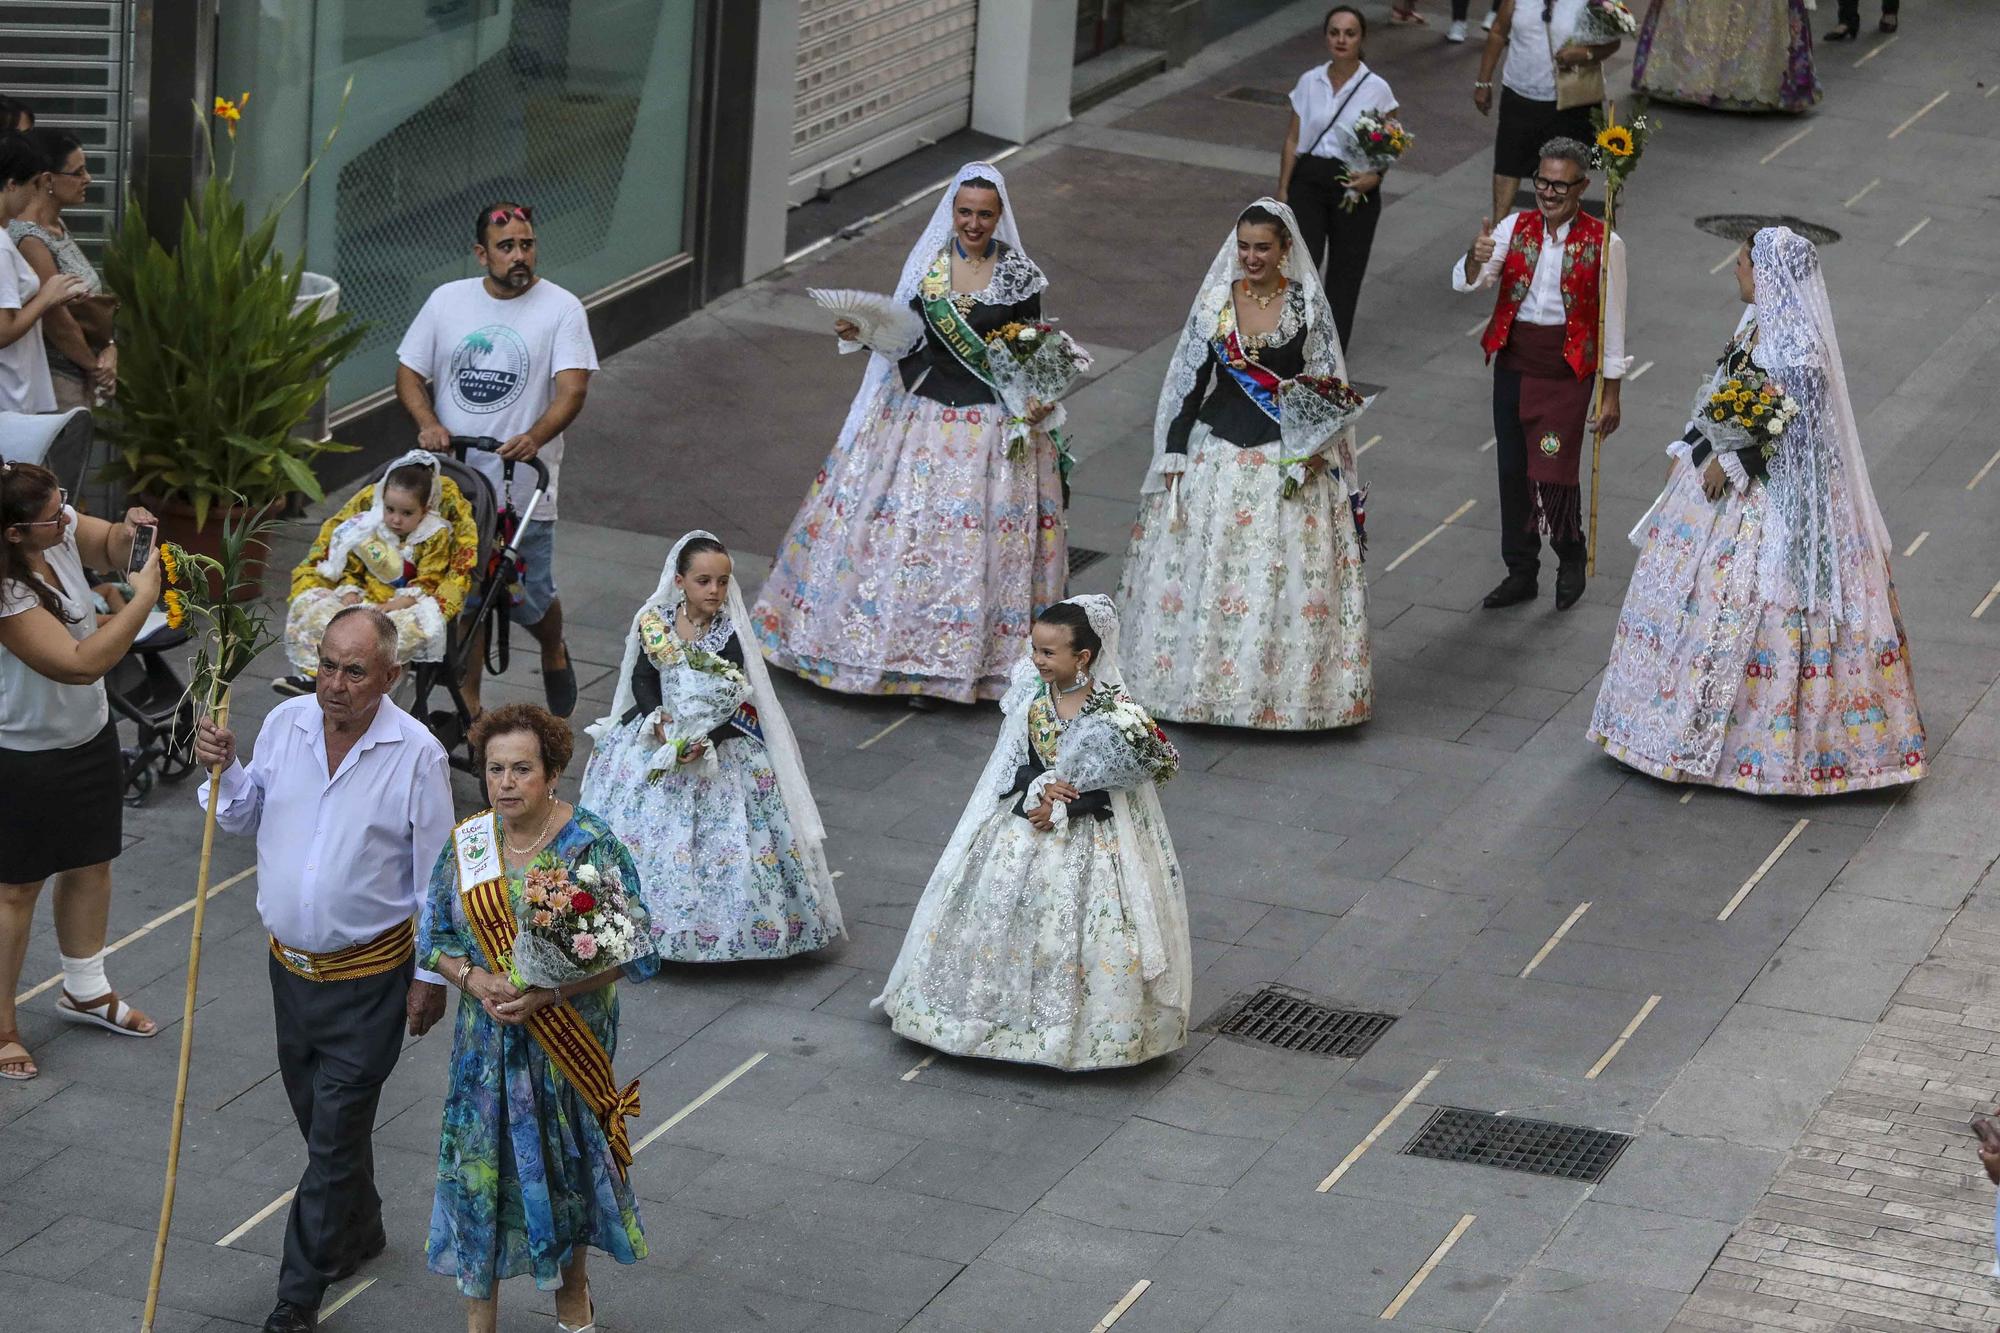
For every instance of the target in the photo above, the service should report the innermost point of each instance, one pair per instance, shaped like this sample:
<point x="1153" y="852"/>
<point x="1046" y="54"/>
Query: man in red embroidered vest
<point x="1554" y="265"/>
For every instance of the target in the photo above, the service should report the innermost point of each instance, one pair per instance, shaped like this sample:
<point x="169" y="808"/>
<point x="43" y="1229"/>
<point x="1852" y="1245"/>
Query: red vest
<point x="1582" y="267"/>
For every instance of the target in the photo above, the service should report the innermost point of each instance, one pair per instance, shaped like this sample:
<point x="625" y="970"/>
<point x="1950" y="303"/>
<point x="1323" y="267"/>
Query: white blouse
<point x="1531" y="46"/>
<point x="1314" y="98"/>
<point x="37" y="713"/>
<point x="25" y="385"/>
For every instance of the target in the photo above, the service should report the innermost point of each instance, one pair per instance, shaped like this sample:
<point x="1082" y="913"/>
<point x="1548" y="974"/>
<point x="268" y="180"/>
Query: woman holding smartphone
<point x="59" y="762"/>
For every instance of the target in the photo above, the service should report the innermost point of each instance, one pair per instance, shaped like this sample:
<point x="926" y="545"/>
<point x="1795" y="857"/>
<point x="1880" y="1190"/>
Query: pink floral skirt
<point x="919" y="558"/>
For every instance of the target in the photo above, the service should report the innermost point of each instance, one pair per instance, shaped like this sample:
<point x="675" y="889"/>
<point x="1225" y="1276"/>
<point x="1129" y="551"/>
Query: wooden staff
<point x="1597" y="393"/>
<point x="187" y="1032"/>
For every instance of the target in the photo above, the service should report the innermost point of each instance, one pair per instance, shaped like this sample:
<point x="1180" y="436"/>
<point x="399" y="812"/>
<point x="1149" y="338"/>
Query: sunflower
<point x="170" y="565"/>
<point x="1615" y="140"/>
<point x="176" y="609"/>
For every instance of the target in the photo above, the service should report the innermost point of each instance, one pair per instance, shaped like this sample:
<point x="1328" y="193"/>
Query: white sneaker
<point x="1486" y="24"/>
<point x="1456" y="32"/>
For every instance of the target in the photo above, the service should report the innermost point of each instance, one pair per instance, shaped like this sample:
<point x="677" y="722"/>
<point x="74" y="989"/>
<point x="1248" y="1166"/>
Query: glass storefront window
<point x="579" y="108"/>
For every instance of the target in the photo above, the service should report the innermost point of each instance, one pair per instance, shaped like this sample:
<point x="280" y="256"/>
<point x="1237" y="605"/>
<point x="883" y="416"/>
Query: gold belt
<point x="391" y="949"/>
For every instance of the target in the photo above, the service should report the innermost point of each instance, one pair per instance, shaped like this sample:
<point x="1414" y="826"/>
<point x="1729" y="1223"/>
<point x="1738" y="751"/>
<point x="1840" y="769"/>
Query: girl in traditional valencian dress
<point x="698" y="772"/>
<point x="1760" y="646"/>
<point x="1242" y="597"/>
<point x="923" y="550"/>
<point x="1054" y="930"/>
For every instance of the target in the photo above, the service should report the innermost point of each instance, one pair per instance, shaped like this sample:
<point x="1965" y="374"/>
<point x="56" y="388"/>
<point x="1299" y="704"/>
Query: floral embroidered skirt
<point x="722" y="877"/>
<point x="1033" y="958"/>
<point x="1733" y="55"/>
<point x="420" y="633"/>
<point x="1243" y="609"/>
<point x="525" y="1173"/>
<point x="1709" y="683"/>
<point x="919" y="558"/>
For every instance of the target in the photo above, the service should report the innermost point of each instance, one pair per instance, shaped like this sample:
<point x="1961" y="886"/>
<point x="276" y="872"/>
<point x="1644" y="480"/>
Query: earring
<point x="1082" y="679"/>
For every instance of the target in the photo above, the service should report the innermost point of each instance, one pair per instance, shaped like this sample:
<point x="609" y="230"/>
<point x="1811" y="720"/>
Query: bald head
<point x="365" y="623"/>
<point x="357" y="667"/>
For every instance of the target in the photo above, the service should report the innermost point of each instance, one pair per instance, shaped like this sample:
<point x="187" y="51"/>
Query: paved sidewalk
<point x="1541" y="923"/>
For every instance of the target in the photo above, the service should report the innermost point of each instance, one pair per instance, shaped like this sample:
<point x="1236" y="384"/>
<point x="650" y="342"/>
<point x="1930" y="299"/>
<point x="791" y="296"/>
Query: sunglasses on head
<point x="500" y="217"/>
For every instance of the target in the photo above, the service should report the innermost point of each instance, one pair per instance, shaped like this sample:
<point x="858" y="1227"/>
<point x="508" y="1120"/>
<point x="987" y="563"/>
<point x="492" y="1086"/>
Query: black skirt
<point x="63" y="808"/>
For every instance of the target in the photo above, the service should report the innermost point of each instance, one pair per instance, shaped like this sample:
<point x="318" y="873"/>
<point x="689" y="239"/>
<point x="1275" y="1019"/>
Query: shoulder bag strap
<point x="1358" y="85"/>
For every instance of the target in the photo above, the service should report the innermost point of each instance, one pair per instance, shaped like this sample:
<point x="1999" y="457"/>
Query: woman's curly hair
<point x="551" y="733"/>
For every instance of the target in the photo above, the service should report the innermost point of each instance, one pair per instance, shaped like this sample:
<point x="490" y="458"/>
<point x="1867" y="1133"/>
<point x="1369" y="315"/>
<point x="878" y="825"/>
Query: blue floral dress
<point x="525" y="1173"/>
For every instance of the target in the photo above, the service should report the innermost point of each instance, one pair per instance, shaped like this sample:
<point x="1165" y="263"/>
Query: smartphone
<point x="144" y="535"/>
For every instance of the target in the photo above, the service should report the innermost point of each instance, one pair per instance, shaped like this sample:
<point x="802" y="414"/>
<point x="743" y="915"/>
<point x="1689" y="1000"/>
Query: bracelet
<point x="1482" y="85"/>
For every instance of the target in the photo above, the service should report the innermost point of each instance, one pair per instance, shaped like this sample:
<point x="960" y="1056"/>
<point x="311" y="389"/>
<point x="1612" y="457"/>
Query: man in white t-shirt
<point x="509" y="356"/>
<point x="1532" y="37"/>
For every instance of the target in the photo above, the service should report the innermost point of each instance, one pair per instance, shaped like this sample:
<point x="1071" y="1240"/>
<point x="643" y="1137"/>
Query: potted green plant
<point x="220" y="362"/>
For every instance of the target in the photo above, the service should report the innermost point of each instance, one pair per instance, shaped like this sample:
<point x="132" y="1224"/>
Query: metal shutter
<point x="877" y="79"/>
<point x="68" y="59"/>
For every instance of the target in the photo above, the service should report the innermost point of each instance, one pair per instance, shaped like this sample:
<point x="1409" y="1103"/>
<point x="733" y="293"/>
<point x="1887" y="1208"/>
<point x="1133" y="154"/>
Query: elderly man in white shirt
<point x="350" y="799"/>
<point x="1558" y="270"/>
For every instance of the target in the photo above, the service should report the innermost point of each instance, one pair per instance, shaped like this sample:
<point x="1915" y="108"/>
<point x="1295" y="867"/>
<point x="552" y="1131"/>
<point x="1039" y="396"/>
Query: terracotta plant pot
<point x="177" y="526"/>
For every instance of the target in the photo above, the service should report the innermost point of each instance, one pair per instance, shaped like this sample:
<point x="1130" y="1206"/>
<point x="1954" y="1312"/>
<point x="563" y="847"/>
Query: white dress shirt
<point x="1530" y="69"/>
<point x="1315" y="99"/>
<point x="340" y="859"/>
<point x="1544" y="304"/>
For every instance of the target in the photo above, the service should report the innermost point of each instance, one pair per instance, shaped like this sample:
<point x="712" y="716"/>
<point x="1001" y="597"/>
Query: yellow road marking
<point x="1980" y="475"/>
<point x="1783" y="846"/>
<point x="1924" y="111"/>
<point x="340" y="1302"/>
<point x="1437" y="1257"/>
<point x="1912" y="232"/>
<point x="1685" y="799"/>
<point x="885" y="731"/>
<point x="1922" y="537"/>
<point x="1640" y="371"/>
<point x="1555" y="939"/>
<point x="922" y="1065"/>
<point x="141" y="932"/>
<point x="1765" y="160"/>
<point x="1117" y="1311"/>
<point x="699" y="1102"/>
<point x="258" y="1216"/>
<point x="1476" y="328"/>
<point x="1625" y="1036"/>
<point x="1985" y="602"/>
<point x="1862" y="193"/>
<point x="1381" y="1128"/>
<point x="1878" y="51"/>
<point x="1424" y="540"/>
<point x="1373" y="440"/>
<point x="1491" y="440"/>
<point x="1726" y="262"/>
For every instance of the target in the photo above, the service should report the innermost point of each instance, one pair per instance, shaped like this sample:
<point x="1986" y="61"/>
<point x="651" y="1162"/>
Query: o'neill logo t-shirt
<point x="492" y="365"/>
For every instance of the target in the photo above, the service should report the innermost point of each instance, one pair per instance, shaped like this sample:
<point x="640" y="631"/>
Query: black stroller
<point x="142" y="688"/>
<point x="498" y="522"/>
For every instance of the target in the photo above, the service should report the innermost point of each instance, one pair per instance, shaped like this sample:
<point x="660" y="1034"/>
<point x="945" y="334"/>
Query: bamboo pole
<point x="187" y="1032"/>
<point x="1597" y="393"/>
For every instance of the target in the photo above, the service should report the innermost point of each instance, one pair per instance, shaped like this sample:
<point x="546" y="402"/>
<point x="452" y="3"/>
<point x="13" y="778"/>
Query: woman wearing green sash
<point x="927" y="544"/>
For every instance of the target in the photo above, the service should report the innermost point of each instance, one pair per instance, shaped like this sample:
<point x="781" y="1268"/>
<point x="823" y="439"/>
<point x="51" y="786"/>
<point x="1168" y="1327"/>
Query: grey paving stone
<point x="822" y="1269"/>
<point x="1741" y="1106"/>
<point x="947" y="1115"/>
<point x="990" y="1295"/>
<point x="1120" y="1197"/>
<point x="1544" y="1300"/>
<point x="1909" y="874"/>
<point x="1636" y="1245"/>
<point x="1832" y="982"/>
<point x="1694" y="1177"/>
<point x="763" y="1135"/>
<point x="1865" y="926"/>
<point x="1053" y="1244"/>
<point x="1167" y="1152"/>
<point x="1783" y="1044"/>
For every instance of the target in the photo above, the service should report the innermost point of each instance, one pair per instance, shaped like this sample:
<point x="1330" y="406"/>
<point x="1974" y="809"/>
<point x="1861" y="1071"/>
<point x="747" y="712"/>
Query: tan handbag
<point x="1582" y="86"/>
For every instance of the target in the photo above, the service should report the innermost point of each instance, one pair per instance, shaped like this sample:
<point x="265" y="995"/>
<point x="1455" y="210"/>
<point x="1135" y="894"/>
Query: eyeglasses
<point x="81" y="173"/>
<point x="1560" y="189"/>
<point x="62" y="503"/>
<point x="500" y="217"/>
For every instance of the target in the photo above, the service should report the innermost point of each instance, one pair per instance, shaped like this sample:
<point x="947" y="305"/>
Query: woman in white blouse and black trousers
<point x="1314" y="180"/>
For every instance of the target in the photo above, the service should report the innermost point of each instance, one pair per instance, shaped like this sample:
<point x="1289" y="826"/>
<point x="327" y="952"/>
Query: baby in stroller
<point x="406" y="545"/>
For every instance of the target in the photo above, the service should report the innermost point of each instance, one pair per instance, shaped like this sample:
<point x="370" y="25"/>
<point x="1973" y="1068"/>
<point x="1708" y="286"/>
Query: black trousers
<point x="1337" y="240"/>
<point x="1850" y="12"/>
<point x="338" y="1042"/>
<point x="1520" y="539"/>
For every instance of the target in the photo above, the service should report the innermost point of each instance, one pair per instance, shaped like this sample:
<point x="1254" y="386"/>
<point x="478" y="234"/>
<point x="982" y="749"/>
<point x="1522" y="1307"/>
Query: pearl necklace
<point x="529" y="850"/>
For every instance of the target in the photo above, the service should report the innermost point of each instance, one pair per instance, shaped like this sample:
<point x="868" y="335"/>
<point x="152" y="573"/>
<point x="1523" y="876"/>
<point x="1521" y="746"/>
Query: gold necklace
<point x="1264" y="302"/>
<point x="529" y="850"/>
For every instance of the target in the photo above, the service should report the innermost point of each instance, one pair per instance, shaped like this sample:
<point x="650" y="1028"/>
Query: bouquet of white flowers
<point x="1031" y="363"/>
<point x="699" y="691"/>
<point x="1112" y="745"/>
<point x="1312" y="409"/>
<point x="1604" y="21"/>
<point x="575" y="923"/>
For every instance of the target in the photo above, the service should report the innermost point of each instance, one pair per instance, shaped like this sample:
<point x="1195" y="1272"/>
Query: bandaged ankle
<point x="83" y="978"/>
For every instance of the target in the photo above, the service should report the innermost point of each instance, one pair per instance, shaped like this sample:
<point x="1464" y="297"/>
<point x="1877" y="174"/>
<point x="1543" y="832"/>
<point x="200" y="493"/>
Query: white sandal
<point x="107" y="1011"/>
<point x="589" y="1327"/>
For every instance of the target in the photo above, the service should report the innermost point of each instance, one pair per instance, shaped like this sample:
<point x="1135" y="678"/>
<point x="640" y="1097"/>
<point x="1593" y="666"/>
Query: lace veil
<point x="1322" y="339"/>
<point x="1014" y="279"/>
<point x="1821" y="519"/>
<point x="1157" y="907"/>
<point x="807" y="828"/>
<point x="368" y="522"/>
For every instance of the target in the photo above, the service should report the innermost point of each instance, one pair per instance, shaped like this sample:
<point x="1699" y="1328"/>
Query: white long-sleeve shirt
<point x="1544" y="303"/>
<point x="340" y="859"/>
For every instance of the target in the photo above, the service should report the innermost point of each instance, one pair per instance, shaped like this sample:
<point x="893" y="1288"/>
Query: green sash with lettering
<point x="967" y="347"/>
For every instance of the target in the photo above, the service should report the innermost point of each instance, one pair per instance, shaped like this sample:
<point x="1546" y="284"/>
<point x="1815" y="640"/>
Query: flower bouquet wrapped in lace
<point x="1112" y="745"/>
<point x="699" y="691"/>
<point x="1746" y="409"/>
<point x="576" y="922"/>
<point x="1604" y="21"/>
<point x="1031" y="364"/>
<point x="1377" y="140"/>
<point x="1312" y="409"/>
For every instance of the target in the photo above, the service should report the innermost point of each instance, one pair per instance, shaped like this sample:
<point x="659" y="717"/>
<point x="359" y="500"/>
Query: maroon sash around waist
<point x="1554" y="407"/>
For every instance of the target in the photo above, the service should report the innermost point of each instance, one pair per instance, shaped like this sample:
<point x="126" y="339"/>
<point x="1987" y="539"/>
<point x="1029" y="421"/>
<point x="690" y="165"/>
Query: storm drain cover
<point x="1742" y="226"/>
<point x="1541" y="1147"/>
<point x="1292" y="1022"/>
<point x="1082" y="558"/>
<point x="1255" y="97"/>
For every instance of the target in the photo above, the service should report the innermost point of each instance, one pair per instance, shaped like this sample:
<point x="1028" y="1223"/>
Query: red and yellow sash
<point x="564" y="1037"/>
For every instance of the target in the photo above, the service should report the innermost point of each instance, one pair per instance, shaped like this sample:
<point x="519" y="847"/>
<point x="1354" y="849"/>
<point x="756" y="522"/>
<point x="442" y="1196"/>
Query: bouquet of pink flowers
<point x="1376" y="140"/>
<point x="575" y="923"/>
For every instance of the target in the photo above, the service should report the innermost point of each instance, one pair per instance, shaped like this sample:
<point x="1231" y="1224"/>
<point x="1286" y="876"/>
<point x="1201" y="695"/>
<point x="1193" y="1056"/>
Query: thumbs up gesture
<point x="1482" y="245"/>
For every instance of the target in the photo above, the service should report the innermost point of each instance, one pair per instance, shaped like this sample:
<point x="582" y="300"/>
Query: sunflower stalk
<point x="1616" y="152"/>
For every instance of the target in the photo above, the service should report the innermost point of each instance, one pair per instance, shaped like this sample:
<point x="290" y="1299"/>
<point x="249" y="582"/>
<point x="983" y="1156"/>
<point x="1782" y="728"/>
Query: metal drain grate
<point x="1540" y="1147"/>
<point x="1255" y="97"/>
<point x="1082" y="558"/>
<point x="1292" y="1022"/>
<point x="1742" y="226"/>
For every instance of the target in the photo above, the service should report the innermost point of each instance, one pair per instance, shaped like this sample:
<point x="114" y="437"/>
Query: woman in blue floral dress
<point x="697" y="771"/>
<point x="528" y="1177"/>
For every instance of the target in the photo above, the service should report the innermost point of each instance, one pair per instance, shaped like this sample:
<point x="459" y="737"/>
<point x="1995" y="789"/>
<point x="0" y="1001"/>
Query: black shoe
<point x="293" y="686"/>
<point x="1843" y="33"/>
<point x="290" y="1318"/>
<point x="359" y="1256"/>
<point x="560" y="686"/>
<point x="1513" y="590"/>
<point x="923" y="703"/>
<point x="1569" y="584"/>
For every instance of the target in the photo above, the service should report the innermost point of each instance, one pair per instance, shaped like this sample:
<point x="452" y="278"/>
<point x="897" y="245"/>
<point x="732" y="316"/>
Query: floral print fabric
<point x="1240" y="608"/>
<point x="1709" y="683"/>
<point x="920" y="556"/>
<point x="1733" y="55"/>
<point x="525" y="1173"/>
